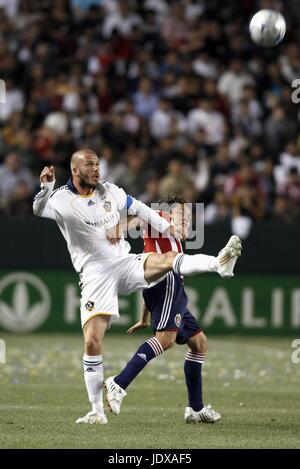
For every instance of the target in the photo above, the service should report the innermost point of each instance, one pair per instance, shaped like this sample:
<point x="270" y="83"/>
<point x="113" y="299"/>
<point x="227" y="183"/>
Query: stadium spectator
<point x="279" y="128"/>
<point x="145" y="99"/>
<point x="207" y="118"/>
<point x="217" y="210"/>
<point x="233" y="81"/>
<point x="122" y="20"/>
<point x="291" y="190"/>
<point x="176" y="179"/>
<point x="151" y="75"/>
<point x="134" y="174"/>
<point x="12" y="174"/>
<point x="151" y="194"/>
<point x="14" y="101"/>
<point x="20" y="201"/>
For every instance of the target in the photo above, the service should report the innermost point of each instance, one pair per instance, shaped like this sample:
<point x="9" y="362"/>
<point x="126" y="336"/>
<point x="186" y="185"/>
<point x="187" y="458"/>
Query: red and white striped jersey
<point x="155" y="242"/>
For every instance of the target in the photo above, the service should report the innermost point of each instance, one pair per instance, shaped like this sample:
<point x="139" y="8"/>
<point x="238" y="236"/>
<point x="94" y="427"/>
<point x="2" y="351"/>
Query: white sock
<point x="94" y="378"/>
<point x="184" y="264"/>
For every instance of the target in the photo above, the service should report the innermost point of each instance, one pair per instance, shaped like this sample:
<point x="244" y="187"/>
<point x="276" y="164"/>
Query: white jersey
<point x="84" y="220"/>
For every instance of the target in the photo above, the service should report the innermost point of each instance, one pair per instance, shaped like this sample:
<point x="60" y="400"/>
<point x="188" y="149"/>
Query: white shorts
<point x="102" y="282"/>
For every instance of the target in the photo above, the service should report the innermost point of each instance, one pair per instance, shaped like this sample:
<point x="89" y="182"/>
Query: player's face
<point x="89" y="172"/>
<point x="181" y="216"/>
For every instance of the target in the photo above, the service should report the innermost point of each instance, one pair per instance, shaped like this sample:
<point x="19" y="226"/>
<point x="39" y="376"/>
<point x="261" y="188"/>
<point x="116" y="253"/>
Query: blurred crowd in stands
<point x="172" y="94"/>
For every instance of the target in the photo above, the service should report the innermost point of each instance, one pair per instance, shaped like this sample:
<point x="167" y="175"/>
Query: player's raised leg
<point x="197" y="411"/>
<point x="157" y="265"/>
<point x="94" y="331"/>
<point x="165" y="300"/>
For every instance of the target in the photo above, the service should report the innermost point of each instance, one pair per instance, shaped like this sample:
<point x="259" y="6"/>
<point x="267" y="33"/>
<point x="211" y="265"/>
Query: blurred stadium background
<point x="175" y="98"/>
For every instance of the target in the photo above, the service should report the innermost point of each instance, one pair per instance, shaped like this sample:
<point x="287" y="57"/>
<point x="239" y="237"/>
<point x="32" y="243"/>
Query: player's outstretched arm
<point x="143" y="322"/>
<point x="115" y="233"/>
<point x="41" y="207"/>
<point x="151" y="217"/>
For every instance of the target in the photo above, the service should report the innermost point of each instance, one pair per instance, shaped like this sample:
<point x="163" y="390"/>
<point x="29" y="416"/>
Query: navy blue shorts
<point x="167" y="302"/>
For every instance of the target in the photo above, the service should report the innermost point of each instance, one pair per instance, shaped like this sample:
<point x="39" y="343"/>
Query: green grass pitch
<point x="251" y="381"/>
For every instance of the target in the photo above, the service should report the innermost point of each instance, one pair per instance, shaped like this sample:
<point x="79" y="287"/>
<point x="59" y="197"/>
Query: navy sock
<point x="193" y="377"/>
<point x="148" y="350"/>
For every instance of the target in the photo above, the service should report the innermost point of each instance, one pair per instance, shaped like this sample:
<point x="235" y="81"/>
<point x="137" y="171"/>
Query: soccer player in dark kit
<point x="167" y="304"/>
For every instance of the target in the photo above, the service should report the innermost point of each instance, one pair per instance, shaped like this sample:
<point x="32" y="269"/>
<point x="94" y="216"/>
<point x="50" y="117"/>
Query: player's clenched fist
<point x="47" y="175"/>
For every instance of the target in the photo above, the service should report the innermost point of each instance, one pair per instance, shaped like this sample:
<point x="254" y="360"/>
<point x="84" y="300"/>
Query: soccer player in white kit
<point x="85" y="209"/>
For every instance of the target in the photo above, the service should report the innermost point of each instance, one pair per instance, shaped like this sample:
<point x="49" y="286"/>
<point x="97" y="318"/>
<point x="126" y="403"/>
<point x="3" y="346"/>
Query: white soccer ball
<point x="267" y="28"/>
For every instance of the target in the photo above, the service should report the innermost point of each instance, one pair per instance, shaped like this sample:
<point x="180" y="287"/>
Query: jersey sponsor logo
<point x="91" y="202"/>
<point x="93" y="223"/>
<point x="90" y="305"/>
<point x="103" y="222"/>
<point x="24" y="302"/>
<point x="107" y="206"/>
<point x="177" y="319"/>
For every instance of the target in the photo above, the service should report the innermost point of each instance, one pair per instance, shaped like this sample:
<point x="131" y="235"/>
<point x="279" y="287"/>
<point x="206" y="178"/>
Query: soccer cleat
<point x="115" y="395"/>
<point x="205" y="415"/>
<point x="93" y="418"/>
<point x="227" y="257"/>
